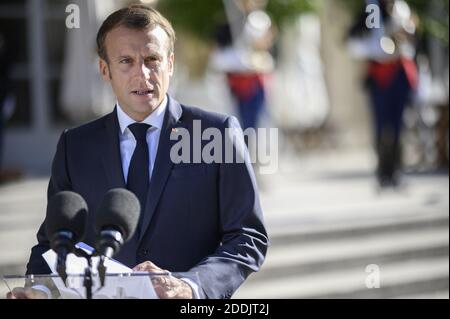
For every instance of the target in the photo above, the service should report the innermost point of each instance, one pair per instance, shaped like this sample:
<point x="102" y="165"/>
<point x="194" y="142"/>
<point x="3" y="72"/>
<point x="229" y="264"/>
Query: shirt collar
<point x="155" y="119"/>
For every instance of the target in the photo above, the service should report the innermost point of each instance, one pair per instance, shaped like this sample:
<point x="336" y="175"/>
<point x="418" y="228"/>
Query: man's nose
<point x="143" y="71"/>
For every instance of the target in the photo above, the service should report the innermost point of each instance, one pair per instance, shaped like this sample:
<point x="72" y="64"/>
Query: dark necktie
<point x="138" y="174"/>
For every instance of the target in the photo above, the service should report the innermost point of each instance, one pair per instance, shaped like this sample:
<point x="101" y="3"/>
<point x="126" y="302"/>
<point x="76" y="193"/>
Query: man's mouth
<point x="143" y="92"/>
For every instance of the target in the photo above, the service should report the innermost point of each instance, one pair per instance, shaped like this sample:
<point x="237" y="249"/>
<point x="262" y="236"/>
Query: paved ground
<point x="327" y="224"/>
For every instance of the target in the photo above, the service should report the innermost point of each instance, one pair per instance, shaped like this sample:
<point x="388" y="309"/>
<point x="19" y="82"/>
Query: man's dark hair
<point x="134" y="17"/>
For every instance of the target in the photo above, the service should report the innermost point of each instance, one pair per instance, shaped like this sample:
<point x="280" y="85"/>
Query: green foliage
<point x="195" y="16"/>
<point x="200" y="16"/>
<point x="435" y="26"/>
<point x="284" y="10"/>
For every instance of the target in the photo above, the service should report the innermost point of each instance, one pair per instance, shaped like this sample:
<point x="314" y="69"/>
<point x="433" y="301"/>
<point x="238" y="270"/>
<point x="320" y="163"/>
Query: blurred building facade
<point x="55" y="82"/>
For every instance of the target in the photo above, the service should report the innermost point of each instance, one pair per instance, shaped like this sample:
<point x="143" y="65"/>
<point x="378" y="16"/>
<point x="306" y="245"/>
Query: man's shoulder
<point x="90" y="127"/>
<point x="191" y="113"/>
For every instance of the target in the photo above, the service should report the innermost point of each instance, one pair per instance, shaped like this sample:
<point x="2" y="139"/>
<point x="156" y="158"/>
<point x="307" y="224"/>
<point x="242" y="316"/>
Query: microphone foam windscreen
<point x="66" y="211"/>
<point x="119" y="209"/>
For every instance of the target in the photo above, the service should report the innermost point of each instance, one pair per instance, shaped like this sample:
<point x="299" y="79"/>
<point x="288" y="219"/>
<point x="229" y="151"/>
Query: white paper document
<point x="123" y="286"/>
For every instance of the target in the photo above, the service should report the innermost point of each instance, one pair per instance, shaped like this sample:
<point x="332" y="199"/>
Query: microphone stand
<point x="87" y="282"/>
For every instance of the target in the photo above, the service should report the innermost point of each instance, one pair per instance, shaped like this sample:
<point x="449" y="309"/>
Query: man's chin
<point x="142" y="110"/>
<point x="146" y="100"/>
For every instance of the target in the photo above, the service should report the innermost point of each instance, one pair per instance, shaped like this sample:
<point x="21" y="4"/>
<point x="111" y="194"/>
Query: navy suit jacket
<point x="199" y="217"/>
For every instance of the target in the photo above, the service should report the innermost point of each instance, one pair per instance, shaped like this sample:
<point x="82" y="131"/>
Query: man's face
<point x="139" y="69"/>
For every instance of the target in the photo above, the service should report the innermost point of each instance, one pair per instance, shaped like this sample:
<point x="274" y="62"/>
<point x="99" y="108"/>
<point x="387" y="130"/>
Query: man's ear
<point x="171" y="61"/>
<point x="104" y="70"/>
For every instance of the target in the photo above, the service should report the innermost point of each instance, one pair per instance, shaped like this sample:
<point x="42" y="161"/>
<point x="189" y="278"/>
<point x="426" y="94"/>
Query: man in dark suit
<point x="195" y="217"/>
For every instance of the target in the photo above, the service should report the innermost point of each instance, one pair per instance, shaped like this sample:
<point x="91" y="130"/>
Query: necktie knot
<point x="139" y="130"/>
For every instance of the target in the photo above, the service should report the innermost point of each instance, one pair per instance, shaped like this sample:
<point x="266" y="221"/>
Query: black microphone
<point x="65" y="224"/>
<point x="115" y="223"/>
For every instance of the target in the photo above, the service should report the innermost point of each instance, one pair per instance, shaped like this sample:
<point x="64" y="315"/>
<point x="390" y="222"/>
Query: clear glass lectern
<point x="135" y="285"/>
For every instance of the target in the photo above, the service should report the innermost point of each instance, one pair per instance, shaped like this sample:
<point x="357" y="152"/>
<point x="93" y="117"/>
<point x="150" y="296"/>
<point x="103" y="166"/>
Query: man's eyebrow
<point x="151" y="51"/>
<point x="120" y="57"/>
<point x="154" y="55"/>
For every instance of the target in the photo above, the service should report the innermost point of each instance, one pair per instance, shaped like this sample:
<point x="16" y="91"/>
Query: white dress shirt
<point x="128" y="141"/>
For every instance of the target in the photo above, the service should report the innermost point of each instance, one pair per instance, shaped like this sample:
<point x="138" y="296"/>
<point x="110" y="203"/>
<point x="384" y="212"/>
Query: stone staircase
<point x="411" y="256"/>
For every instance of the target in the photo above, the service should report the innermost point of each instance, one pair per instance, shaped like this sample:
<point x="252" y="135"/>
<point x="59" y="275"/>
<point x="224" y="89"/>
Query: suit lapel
<point x="111" y="157"/>
<point x="163" y="163"/>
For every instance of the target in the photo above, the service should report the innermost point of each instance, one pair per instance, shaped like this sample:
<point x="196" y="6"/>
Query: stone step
<point x="356" y="229"/>
<point x="396" y="279"/>
<point x="330" y="261"/>
<point x="305" y="259"/>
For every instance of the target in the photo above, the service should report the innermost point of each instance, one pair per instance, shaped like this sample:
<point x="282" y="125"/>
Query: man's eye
<point x="152" y="59"/>
<point x="125" y="61"/>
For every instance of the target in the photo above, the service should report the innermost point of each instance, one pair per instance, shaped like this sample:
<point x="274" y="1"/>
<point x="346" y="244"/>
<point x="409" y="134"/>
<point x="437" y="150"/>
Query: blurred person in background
<point x="243" y="54"/>
<point x="392" y="76"/>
